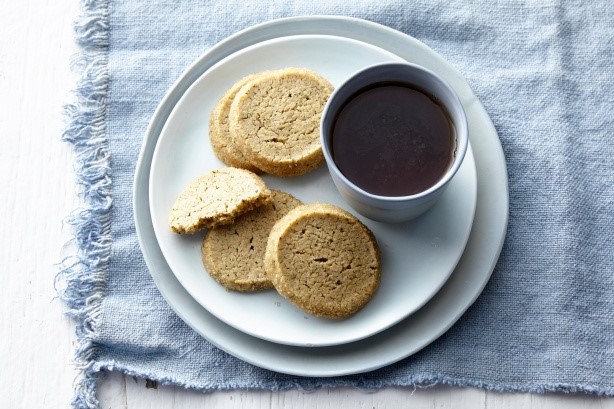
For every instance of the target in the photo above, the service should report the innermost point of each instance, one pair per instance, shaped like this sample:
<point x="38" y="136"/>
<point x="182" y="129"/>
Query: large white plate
<point x="417" y="257"/>
<point x="411" y="334"/>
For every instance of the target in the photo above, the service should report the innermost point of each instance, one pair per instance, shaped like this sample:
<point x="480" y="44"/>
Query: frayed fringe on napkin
<point x="81" y="281"/>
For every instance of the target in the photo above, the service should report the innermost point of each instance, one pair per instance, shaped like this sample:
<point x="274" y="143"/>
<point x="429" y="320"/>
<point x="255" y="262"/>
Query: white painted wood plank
<point x="112" y="391"/>
<point x="570" y="401"/>
<point x="36" y="339"/>
<point x="143" y="395"/>
<point x="439" y="397"/>
<point x="174" y="397"/>
<point x="461" y="398"/>
<point x="496" y="400"/>
<point x="436" y="397"/>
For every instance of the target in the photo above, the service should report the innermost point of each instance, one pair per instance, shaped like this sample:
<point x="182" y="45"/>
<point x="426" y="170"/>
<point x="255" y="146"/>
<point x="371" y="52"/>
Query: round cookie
<point x="275" y="120"/>
<point x="221" y="138"/>
<point x="234" y="254"/>
<point x="323" y="260"/>
<point x="216" y="198"/>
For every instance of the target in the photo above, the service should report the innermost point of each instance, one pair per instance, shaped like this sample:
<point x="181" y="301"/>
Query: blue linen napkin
<point x="543" y="71"/>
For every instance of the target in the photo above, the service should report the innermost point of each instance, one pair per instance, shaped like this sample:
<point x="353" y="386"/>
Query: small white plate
<point x="417" y="257"/>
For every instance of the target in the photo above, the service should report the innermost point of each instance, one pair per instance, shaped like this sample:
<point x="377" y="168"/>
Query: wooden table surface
<point x="38" y="191"/>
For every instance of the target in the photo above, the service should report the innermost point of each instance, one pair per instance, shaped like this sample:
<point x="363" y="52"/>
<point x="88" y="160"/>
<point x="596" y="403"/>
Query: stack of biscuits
<point x="269" y="122"/>
<point x="318" y="256"/>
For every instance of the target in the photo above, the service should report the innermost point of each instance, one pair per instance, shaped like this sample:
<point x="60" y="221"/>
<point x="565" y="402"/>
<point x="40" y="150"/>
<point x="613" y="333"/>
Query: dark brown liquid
<point x="393" y="140"/>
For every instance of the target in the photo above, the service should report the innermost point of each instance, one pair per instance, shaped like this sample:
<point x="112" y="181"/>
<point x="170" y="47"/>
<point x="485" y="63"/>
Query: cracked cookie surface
<point x="275" y="120"/>
<point x="323" y="260"/>
<point x="234" y="254"/>
<point x="222" y="140"/>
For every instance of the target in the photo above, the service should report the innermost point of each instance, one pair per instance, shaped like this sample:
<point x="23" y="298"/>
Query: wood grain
<point x="38" y="191"/>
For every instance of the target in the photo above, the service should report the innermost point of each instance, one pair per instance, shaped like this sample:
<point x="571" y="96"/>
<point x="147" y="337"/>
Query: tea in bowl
<point x="393" y="136"/>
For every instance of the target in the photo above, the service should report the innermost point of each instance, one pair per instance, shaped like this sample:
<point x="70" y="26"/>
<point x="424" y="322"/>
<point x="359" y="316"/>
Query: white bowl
<point x="393" y="208"/>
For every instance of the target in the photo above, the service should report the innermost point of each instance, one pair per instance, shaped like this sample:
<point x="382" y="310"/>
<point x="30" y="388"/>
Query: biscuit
<point x="275" y="120"/>
<point x="217" y="198"/>
<point x="234" y="254"/>
<point x="323" y="260"/>
<point x="222" y="142"/>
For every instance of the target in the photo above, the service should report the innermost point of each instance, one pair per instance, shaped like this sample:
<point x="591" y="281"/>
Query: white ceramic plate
<point x="411" y="334"/>
<point x="417" y="257"/>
